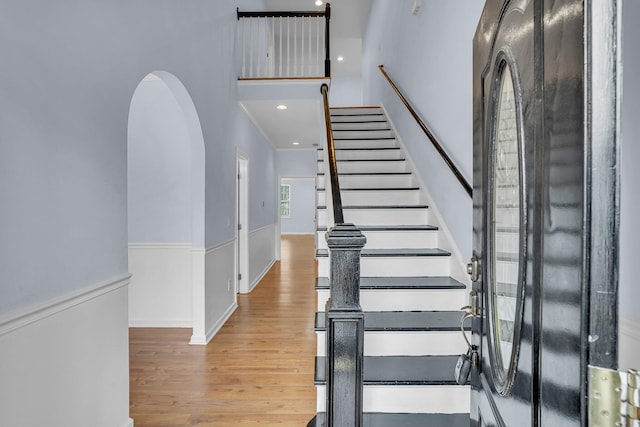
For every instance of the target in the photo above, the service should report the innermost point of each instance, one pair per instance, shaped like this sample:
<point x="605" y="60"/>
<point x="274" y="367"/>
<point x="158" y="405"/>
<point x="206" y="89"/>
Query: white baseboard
<point x="629" y="343"/>
<point x="302" y="233"/>
<point x="257" y="280"/>
<point x="161" y="323"/>
<point x="68" y="355"/>
<point x="128" y="423"/>
<point x="214" y="299"/>
<point x="220" y="323"/>
<point x="262" y="254"/>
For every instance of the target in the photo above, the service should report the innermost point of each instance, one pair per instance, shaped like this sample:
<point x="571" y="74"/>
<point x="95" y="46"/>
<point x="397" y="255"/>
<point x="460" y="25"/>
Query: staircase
<point x="411" y="302"/>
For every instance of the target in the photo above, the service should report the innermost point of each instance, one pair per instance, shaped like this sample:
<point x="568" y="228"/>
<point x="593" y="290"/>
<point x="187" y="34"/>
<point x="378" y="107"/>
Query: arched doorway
<point x="166" y="174"/>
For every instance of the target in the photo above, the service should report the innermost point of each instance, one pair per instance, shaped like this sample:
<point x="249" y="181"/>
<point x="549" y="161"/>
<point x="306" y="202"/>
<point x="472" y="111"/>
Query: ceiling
<point x="302" y="120"/>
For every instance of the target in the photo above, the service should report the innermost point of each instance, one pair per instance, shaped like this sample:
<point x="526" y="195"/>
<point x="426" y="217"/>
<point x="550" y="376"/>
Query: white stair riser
<point x="392" y="239"/>
<point x="355" y="110"/>
<point x="380" y="216"/>
<point x="366" y="143"/>
<point x="369" y="154"/>
<point x="361" y="118"/>
<point x="396" y="266"/>
<point x="358" y="124"/>
<point x="362" y="134"/>
<point x="410" y="399"/>
<point x="374" y="197"/>
<point x="404" y="300"/>
<point x="407" y="343"/>
<point x="371" y="181"/>
<point x="369" y="167"/>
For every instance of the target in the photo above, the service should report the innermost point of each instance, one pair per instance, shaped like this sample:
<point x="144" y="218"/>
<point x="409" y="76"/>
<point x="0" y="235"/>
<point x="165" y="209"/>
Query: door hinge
<point x="239" y="226"/>
<point x="614" y="397"/>
<point x="239" y="276"/>
<point x="473" y="269"/>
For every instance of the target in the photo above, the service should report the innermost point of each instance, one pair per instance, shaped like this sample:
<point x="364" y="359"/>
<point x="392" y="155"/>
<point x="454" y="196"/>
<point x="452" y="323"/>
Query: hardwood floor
<point x="257" y="371"/>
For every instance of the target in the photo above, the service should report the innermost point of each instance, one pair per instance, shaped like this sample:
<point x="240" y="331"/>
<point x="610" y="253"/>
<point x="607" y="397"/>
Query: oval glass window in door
<point x="507" y="216"/>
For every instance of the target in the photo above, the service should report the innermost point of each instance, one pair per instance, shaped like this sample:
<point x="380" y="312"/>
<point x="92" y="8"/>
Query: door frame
<point x="242" y="223"/>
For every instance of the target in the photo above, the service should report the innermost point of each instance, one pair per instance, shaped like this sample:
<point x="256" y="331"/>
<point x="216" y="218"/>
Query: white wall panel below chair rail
<point x="262" y="253"/>
<point x="65" y="362"/>
<point x="160" y="294"/>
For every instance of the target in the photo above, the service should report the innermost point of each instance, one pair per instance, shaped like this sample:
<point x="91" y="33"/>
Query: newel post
<point x="345" y="328"/>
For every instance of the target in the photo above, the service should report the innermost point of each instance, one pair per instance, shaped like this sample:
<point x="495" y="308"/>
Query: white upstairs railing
<point x="285" y="44"/>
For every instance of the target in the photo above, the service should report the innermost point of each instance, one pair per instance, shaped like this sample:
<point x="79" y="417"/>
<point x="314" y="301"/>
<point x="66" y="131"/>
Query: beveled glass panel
<point x="506" y="229"/>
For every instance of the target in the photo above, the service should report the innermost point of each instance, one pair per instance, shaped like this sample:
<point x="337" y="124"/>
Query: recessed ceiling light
<point x="281" y="107"/>
<point x="295" y="143"/>
<point x="340" y="58"/>
<point x="318" y="2"/>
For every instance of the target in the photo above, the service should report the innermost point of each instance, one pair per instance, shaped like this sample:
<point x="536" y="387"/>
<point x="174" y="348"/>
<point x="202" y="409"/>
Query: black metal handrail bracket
<point x="290" y="43"/>
<point x="436" y="144"/>
<point x="344" y="318"/>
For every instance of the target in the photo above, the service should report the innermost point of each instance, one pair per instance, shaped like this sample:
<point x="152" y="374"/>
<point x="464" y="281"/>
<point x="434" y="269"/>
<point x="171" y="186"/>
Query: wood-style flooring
<point x="257" y="371"/>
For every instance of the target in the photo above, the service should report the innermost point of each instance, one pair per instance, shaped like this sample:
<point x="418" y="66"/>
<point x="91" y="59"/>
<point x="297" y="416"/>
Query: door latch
<point x="471" y="358"/>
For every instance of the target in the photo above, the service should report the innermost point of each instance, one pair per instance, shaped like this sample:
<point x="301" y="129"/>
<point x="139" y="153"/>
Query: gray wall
<point x="345" y="92"/>
<point x="430" y="58"/>
<point x="296" y="163"/>
<point x="630" y="156"/>
<point x="159" y="167"/>
<point x="71" y="68"/>
<point x="303" y="207"/>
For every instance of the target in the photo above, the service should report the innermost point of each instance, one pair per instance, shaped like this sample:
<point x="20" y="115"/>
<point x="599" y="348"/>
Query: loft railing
<point x="436" y="144"/>
<point x="285" y="44"/>
<point x="344" y="319"/>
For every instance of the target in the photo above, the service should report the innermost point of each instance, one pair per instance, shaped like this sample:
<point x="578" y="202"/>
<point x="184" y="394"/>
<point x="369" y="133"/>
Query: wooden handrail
<point x="333" y="165"/>
<point x="430" y="135"/>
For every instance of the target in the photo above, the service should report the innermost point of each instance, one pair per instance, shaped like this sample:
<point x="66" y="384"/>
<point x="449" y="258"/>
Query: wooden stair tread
<point x="401" y="370"/>
<point x="369" y="173"/>
<point x="374" y="419"/>
<point x="391" y="228"/>
<point x="371" y="283"/>
<point x="405" y="321"/>
<point x="367" y="160"/>
<point x="395" y="253"/>
<point x="376" y="189"/>
<point x="380" y="207"/>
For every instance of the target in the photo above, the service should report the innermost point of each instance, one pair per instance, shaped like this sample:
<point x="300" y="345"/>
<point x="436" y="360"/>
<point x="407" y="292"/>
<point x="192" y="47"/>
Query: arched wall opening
<point x="166" y="175"/>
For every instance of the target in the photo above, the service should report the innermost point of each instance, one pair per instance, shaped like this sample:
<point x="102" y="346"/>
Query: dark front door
<point x="545" y="224"/>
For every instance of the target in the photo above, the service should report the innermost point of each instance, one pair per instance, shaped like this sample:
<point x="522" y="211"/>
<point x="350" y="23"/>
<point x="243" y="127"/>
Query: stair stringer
<point x="458" y="263"/>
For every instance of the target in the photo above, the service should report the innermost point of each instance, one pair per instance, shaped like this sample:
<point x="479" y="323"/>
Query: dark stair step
<point x="365" y="149"/>
<point x="404" y="420"/>
<point x="401" y="370"/>
<point x="391" y="228"/>
<point x="369" y="173"/>
<point x="405" y="321"/>
<point x="372" y="283"/>
<point x="395" y="253"/>
<point x="380" y="207"/>
<point x="376" y="189"/>
<point x="368" y="160"/>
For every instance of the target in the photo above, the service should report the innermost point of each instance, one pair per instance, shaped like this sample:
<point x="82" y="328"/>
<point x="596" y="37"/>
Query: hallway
<point x="258" y="369"/>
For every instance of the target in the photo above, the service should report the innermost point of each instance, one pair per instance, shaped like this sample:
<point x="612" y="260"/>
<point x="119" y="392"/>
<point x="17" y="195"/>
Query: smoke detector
<point x="417" y="5"/>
